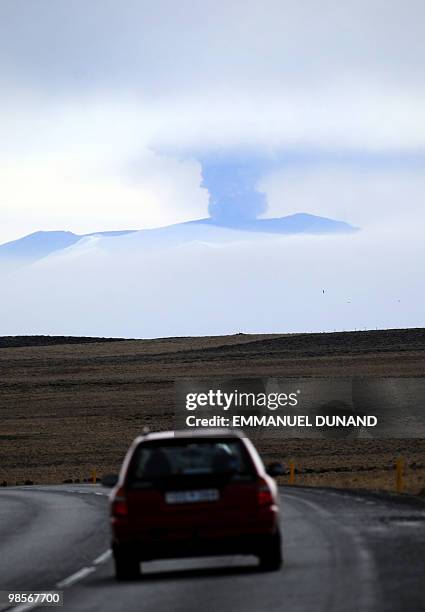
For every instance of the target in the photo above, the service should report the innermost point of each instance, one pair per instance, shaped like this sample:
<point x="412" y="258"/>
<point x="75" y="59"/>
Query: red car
<point x="188" y="494"/>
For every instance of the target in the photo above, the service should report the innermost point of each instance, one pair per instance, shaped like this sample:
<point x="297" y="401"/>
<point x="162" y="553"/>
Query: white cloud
<point x="90" y="169"/>
<point x="340" y="115"/>
<point x="364" y="196"/>
<point x="162" y="48"/>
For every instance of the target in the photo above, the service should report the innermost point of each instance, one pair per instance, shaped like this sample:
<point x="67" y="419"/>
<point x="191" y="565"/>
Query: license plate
<point x="192" y="497"/>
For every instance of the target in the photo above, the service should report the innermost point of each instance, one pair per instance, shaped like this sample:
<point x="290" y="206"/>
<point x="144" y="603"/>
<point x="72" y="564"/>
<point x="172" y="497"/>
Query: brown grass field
<point x="68" y="406"/>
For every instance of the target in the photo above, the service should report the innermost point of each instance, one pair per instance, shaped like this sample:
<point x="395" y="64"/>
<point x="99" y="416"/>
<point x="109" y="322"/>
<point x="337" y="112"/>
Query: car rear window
<point x="191" y="458"/>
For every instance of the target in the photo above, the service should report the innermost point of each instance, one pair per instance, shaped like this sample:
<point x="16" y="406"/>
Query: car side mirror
<point x="275" y="469"/>
<point x="109" y="480"/>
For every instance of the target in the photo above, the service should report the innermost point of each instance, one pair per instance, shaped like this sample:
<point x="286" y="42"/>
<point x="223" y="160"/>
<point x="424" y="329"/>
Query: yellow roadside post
<point x="291" y="473"/>
<point x="399" y="468"/>
<point x="94" y="476"/>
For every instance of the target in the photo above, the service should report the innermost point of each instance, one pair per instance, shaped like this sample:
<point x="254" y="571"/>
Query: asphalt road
<point x="343" y="552"/>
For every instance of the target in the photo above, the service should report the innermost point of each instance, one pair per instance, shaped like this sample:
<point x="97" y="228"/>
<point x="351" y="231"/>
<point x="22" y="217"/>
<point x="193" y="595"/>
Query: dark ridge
<point x="313" y="342"/>
<point x="19" y="341"/>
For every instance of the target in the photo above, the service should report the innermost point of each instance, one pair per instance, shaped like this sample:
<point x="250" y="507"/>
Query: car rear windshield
<point x="190" y="458"/>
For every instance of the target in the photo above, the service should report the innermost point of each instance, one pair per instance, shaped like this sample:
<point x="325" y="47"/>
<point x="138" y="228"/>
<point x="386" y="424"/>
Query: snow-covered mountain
<point x="300" y="223"/>
<point x="42" y="244"/>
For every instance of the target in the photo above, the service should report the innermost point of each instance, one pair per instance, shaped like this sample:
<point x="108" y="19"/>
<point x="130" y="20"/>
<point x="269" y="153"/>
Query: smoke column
<point x="231" y="180"/>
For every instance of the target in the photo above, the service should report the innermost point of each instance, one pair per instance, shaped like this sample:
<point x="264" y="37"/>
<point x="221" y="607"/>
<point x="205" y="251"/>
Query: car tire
<point x="127" y="567"/>
<point x="270" y="557"/>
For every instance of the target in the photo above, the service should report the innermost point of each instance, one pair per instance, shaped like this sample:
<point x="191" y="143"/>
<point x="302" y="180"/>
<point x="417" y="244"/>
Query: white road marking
<point x="103" y="557"/>
<point x="82" y="573"/>
<point x="77" y="576"/>
<point x="69" y="581"/>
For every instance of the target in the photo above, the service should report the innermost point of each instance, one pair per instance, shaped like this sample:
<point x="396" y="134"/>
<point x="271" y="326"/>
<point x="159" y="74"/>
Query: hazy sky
<point x="107" y="108"/>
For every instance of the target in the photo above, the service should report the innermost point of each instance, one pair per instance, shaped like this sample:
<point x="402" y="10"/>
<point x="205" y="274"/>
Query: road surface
<point x="344" y="551"/>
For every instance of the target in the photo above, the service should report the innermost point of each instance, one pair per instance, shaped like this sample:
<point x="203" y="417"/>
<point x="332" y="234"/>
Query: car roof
<point x="190" y="433"/>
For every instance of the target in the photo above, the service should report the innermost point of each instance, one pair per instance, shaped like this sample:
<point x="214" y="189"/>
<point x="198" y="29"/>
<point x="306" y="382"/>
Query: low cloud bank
<point x="279" y="284"/>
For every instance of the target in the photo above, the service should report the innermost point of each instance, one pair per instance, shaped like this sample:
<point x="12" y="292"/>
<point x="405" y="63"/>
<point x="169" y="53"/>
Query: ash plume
<point x="231" y="181"/>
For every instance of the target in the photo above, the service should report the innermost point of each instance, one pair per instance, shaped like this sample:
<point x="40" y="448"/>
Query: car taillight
<point x="264" y="494"/>
<point x="119" y="507"/>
